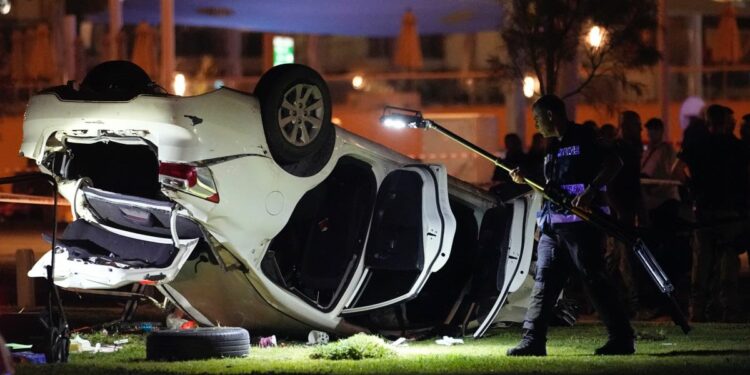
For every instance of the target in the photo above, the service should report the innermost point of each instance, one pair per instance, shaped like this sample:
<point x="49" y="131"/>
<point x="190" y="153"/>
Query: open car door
<point x="507" y="242"/>
<point x="121" y="240"/>
<point x="411" y="234"/>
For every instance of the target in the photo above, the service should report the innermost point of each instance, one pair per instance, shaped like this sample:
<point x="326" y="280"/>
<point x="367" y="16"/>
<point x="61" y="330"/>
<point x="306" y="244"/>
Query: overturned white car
<point x="255" y="211"/>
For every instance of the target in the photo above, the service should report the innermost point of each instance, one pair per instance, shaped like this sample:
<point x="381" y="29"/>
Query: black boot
<point x="617" y="346"/>
<point x="529" y="346"/>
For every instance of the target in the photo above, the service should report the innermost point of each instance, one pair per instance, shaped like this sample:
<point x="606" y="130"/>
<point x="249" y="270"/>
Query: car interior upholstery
<point x="315" y="254"/>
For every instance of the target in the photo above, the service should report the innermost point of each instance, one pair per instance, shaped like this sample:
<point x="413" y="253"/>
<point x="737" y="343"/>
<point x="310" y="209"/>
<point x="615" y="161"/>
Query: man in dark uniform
<point x="577" y="164"/>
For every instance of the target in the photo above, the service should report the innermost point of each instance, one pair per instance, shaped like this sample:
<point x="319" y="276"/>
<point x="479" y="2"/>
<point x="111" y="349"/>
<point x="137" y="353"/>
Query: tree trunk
<point x="551" y="74"/>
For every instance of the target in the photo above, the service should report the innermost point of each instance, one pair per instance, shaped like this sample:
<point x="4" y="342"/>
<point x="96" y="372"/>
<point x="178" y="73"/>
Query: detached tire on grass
<point x="199" y="343"/>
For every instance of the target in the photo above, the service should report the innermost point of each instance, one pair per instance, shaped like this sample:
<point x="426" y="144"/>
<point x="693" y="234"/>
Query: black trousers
<point x="566" y="248"/>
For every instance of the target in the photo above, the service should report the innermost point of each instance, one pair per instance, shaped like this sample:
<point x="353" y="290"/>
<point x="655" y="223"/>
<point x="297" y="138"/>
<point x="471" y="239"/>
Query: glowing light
<point x="529" y="86"/>
<point x="358" y="82"/>
<point x="336" y="121"/>
<point x="394" y="123"/>
<point x="180" y="84"/>
<point x="4" y="7"/>
<point x="283" y="50"/>
<point x="596" y="35"/>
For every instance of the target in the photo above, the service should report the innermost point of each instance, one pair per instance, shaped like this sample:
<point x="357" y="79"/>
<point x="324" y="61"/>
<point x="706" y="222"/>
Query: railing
<point x="710" y="82"/>
<point x="450" y="88"/>
<point x="481" y="88"/>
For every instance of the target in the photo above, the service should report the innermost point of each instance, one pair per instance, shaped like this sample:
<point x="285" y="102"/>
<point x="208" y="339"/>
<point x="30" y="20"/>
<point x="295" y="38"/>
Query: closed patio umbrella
<point x="144" y="48"/>
<point x="408" y="54"/>
<point x="726" y="44"/>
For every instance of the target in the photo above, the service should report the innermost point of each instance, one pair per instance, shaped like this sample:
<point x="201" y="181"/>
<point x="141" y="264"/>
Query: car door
<point x="411" y="234"/>
<point x="513" y="243"/>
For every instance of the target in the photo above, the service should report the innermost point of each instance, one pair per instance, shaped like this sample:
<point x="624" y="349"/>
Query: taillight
<point x="178" y="175"/>
<point x="190" y="179"/>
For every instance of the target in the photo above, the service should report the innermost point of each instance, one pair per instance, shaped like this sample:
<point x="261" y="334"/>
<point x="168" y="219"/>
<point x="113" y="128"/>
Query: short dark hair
<point x="513" y="141"/>
<point x="608" y="131"/>
<point x="512" y="137"/>
<point x="628" y="117"/>
<point x="716" y="114"/>
<point x="552" y="103"/>
<point x="654" y="123"/>
<point x="745" y="127"/>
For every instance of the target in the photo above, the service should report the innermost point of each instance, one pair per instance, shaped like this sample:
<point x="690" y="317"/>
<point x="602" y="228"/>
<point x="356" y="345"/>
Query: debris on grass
<point x="359" y="346"/>
<point x="17" y="347"/>
<point x="268" y="342"/>
<point x="317" y="338"/>
<point x="81" y="345"/>
<point x="28" y="358"/>
<point x="658" y="335"/>
<point x="448" y="341"/>
<point x="401" y="341"/>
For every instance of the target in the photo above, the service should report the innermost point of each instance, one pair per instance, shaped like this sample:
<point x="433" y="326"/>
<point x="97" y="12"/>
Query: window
<point x="432" y="46"/>
<point x="380" y="47"/>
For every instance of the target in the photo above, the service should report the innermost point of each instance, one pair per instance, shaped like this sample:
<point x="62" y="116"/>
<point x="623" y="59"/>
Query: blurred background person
<point x="745" y="129"/>
<point x="717" y="165"/>
<point x="607" y="134"/>
<point x="656" y="163"/>
<point x="661" y="201"/>
<point x="624" y="194"/>
<point x="502" y="183"/>
<point x="695" y="132"/>
<point x="535" y="157"/>
<point x="591" y="124"/>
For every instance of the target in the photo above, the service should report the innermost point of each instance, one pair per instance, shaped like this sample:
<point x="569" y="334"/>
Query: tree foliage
<point x="543" y="35"/>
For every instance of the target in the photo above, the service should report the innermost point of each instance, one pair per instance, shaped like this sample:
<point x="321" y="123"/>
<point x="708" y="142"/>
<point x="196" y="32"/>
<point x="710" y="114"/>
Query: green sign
<point x="283" y="50"/>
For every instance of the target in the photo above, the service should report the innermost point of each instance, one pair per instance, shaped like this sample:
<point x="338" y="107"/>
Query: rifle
<point x="405" y="118"/>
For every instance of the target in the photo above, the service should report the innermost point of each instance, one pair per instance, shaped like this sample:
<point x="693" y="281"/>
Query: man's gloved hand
<point x="517" y="176"/>
<point x="584" y="200"/>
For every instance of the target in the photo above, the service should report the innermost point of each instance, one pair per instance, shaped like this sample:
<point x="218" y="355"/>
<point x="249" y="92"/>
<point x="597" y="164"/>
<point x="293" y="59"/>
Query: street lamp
<point x="4" y="7"/>
<point x="358" y="82"/>
<point x="179" y="85"/>
<point x="595" y="37"/>
<point x="530" y="86"/>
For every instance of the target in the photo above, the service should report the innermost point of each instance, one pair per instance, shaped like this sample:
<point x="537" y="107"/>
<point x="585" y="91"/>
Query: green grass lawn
<point x="662" y="349"/>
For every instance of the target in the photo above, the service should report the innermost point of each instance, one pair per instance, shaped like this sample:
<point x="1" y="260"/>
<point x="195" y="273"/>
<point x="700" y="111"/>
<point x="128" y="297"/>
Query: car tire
<point x="117" y="80"/>
<point x="198" y="343"/>
<point x="296" y="112"/>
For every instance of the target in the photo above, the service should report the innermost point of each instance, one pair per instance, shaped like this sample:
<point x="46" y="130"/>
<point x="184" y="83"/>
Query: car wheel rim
<point x="301" y="114"/>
